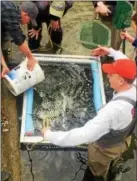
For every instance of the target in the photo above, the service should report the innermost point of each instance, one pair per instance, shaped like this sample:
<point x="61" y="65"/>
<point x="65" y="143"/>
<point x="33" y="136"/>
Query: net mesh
<point x="93" y="34"/>
<point x="122" y="16"/>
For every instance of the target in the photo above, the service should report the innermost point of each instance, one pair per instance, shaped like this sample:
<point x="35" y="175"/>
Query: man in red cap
<point x="109" y="133"/>
<point x="116" y="54"/>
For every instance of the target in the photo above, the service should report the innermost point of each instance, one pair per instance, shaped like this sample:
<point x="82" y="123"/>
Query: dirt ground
<point x="71" y="22"/>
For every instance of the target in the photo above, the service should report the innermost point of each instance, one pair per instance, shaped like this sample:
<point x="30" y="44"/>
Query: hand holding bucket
<point x="31" y="63"/>
<point x="21" y="78"/>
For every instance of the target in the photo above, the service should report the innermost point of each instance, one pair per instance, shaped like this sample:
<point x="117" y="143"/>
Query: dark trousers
<point x="88" y="176"/>
<point x="56" y="36"/>
<point x="11" y="63"/>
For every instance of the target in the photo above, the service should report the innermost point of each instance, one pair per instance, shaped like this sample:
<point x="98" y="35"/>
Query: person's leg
<point x="100" y="158"/>
<point x="56" y="36"/>
<point x="11" y="63"/>
<point x="5" y="50"/>
<point x="32" y="42"/>
<point x="115" y="35"/>
<point x="98" y="161"/>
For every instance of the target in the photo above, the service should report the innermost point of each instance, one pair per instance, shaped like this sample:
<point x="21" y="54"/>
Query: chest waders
<point x="110" y="147"/>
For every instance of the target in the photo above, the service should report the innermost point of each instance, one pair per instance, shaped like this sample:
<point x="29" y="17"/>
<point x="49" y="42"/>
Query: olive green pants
<point x="99" y="158"/>
<point x="115" y="35"/>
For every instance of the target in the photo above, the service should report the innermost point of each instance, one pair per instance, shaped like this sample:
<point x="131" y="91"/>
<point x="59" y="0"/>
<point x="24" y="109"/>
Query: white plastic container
<point x="20" y="78"/>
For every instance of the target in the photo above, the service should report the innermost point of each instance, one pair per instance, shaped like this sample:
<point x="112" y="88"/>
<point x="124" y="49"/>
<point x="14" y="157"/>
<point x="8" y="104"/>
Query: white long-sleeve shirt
<point x="115" y="115"/>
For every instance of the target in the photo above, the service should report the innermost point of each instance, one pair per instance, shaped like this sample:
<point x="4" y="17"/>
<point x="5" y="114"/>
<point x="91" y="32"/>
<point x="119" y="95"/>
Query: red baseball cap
<point x="126" y="68"/>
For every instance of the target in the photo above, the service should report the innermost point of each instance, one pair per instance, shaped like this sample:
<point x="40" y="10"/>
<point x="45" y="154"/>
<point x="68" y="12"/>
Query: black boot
<point x="5" y="175"/>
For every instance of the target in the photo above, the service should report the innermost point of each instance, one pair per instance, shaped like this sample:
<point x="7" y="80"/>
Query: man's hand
<point x="101" y="51"/>
<point x="5" y="70"/>
<point x="27" y="52"/>
<point x="34" y="33"/>
<point x="31" y="63"/>
<point x="127" y="36"/>
<point x="55" y="24"/>
<point x="102" y="9"/>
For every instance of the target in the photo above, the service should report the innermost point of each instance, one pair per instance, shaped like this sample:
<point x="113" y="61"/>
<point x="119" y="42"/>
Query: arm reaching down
<point x="5" y="68"/>
<point x="26" y="51"/>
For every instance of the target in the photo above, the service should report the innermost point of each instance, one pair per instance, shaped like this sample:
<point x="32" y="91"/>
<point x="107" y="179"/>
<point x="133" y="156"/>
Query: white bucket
<point x="20" y="78"/>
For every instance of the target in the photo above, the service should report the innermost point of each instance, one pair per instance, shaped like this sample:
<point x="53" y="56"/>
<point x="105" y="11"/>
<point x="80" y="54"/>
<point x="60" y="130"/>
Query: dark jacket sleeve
<point x="17" y="35"/>
<point x="52" y="17"/>
<point x="69" y="5"/>
<point x="135" y="43"/>
<point x="95" y="3"/>
<point x="112" y="3"/>
<point x="36" y="27"/>
<point x="13" y="27"/>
